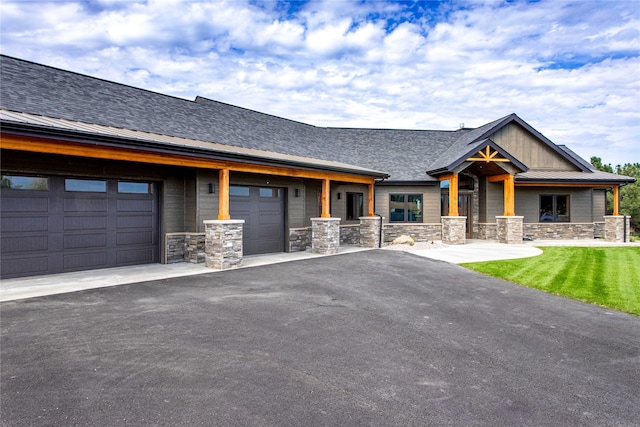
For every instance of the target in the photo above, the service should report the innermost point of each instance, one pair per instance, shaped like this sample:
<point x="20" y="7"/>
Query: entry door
<point x="262" y="209"/>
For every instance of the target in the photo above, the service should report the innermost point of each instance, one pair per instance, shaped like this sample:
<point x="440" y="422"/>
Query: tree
<point x="629" y="194"/>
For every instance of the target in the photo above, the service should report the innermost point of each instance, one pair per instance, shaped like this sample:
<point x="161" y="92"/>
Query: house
<point x="98" y="174"/>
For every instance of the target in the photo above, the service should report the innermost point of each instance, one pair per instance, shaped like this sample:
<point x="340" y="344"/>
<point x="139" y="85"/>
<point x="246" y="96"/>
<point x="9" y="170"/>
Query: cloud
<point x="569" y="68"/>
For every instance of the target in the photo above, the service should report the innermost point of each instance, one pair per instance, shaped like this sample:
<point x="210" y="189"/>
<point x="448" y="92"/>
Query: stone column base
<point x="510" y="229"/>
<point x="454" y="230"/>
<point x="614" y="228"/>
<point x="223" y="243"/>
<point x="370" y="231"/>
<point x="325" y="235"/>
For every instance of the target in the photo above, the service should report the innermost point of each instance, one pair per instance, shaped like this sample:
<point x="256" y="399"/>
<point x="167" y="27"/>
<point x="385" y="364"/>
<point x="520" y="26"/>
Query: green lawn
<point x="607" y="276"/>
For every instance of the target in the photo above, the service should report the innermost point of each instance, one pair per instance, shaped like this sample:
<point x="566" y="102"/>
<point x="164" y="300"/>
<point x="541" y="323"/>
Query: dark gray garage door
<point x="262" y="209"/>
<point x="55" y="224"/>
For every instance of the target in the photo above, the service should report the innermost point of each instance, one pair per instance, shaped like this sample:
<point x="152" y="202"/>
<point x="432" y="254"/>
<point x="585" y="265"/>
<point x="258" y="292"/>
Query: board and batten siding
<point x="580" y="203"/>
<point x="430" y="199"/>
<point x="207" y="203"/>
<point x="525" y="147"/>
<point x="599" y="204"/>
<point x="491" y="200"/>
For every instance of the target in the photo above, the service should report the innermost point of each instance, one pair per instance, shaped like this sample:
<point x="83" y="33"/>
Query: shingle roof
<point x="189" y="146"/>
<point x="406" y="155"/>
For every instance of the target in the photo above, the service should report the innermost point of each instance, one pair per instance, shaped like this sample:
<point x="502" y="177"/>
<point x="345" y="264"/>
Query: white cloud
<point x="569" y="68"/>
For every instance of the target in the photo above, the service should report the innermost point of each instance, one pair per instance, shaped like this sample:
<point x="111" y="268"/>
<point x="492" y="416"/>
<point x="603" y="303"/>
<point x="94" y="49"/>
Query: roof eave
<point x="159" y="147"/>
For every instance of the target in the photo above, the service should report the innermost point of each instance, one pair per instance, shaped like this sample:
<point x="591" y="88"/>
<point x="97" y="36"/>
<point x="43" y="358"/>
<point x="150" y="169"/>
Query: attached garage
<point x="57" y="224"/>
<point x="263" y="210"/>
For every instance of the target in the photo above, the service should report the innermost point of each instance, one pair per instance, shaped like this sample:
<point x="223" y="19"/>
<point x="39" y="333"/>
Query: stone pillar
<point x="370" y="231"/>
<point x="510" y="229"/>
<point x="223" y="243"/>
<point x="325" y="235"/>
<point x="454" y="230"/>
<point x="614" y="228"/>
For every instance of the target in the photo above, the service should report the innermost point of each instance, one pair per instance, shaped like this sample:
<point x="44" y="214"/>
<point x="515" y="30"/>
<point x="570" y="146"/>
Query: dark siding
<point x="528" y="200"/>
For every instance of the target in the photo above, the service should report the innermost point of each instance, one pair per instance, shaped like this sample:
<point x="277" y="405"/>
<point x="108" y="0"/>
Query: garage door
<point x="55" y="224"/>
<point x="262" y="209"/>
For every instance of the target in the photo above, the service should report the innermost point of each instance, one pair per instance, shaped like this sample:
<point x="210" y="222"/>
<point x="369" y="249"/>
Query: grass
<point x="607" y="276"/>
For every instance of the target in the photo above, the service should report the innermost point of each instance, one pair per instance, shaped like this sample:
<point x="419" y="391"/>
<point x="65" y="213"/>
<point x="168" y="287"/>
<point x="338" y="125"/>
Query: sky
<point x="571" y="69"/>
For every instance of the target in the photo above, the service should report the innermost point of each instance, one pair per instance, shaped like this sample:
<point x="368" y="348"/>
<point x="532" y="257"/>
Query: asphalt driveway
<point x="369" y="338"/>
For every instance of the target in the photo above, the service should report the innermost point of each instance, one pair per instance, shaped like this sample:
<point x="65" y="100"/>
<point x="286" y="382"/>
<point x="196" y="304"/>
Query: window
<point x="85" y="185"/>
<point x="239" y="191"/>
<point x="405" y="207"/>
<point x="554" y="208"/>
<point x="355" y="205"/>
<point x="269" y="192"/>
<point x="134" y="187"/>
<point x="17" y="182"/>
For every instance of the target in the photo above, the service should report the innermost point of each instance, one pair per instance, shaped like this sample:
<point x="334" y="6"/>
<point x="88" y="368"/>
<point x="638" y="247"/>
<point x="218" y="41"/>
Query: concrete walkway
<point x="472" y="251"/>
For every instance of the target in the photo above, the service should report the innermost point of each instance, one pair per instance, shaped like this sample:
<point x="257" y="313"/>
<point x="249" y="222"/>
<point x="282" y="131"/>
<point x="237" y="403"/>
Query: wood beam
<point x="371" y="201"/>
<point x="499" y="178"/>
<point x="453" y="195"/>
<point x="223" y="196"/>
<point x="509" y="196"/>
<point x="326" y="199"/>
<point x="616" y="200"/>
<point x="51" y="146"/>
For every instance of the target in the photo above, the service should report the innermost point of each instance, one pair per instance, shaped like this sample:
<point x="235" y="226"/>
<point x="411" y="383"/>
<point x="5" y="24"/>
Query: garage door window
<point x="239" y="191"/>
<point x="269" y="192"/>
<point x="18" y="182"/>
<point x="85" y="185"/>
<point x="134" y="187"/>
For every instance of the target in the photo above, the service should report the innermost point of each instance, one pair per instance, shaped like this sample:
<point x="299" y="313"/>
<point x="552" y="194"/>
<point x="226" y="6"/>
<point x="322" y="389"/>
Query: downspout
<point x="374" y="205"/>
<point x="624" y="228"/>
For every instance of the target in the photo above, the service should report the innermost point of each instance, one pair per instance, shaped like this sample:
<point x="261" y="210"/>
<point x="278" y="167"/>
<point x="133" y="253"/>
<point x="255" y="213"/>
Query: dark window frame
<point x="407" y="214"/>
<point x="32" y="182"/>
<point x="355" y="206"/>
<point x="556" y="208"/>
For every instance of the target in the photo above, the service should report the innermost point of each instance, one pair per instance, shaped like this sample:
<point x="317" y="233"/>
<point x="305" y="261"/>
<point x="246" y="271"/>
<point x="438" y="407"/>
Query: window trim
<point x="360" y="206"/>
<point x="553" y="215"/>
<point x="406" y="216"/>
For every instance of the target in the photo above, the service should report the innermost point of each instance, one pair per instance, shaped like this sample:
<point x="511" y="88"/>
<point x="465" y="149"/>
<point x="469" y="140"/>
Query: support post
<point x="616" y="200"/>
<point x="223" y="243"/>
<point x="326" y="198"/>
<point x="616" y="228"/>
<point x="371" y="209"/>
<point x="509" y="196"/>
<point x="510" y="229"/>
<point x="223" y="198"/>
<point x="370" y="231"/>
<point x="325" y="235"/>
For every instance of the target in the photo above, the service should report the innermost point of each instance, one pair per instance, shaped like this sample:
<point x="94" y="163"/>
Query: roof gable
<point x="459" y="151"/>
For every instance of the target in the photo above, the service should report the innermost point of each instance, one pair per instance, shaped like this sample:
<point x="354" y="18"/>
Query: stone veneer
<point x="223" y="244"/>
<point x="559" y="230"/>
<point x="614" y="228"/>
<point x="185" y="247"/>
<point x="487" y="231"/>
<point x="299" y="239"/>
<point x="454" y="230"/>
<point x="325" y="235"/>
<point x="598" y="230"/>
<point x="369" y="231"/>
<point x="423" y="232"/>
<point x="510" y="229"/>
<point x="350" y="234"/>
